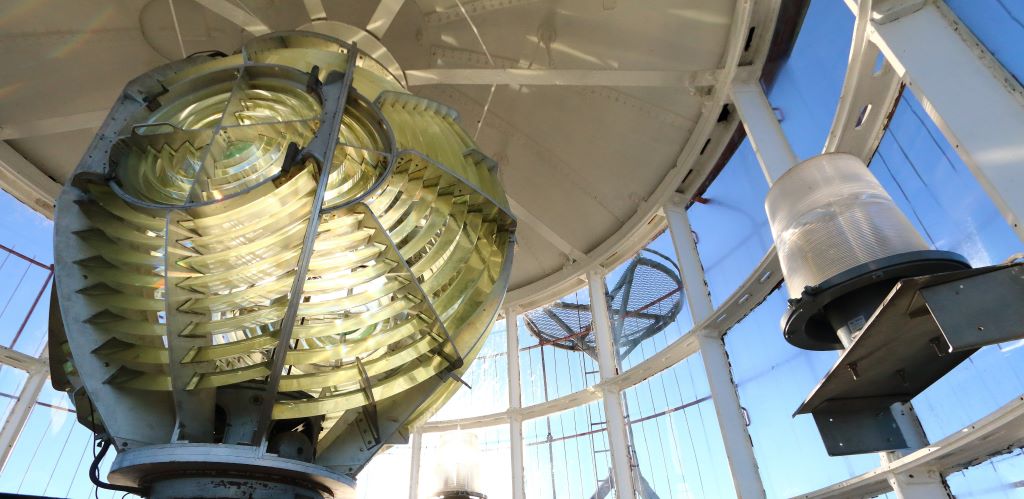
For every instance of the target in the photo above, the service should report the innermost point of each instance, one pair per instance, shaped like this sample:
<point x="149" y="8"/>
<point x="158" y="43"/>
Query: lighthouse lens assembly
<point x="280" y="250"/>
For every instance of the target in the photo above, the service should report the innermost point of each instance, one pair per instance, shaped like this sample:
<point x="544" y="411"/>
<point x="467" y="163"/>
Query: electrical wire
<point x="94" y="474"/>
<point x="94" y="468"/>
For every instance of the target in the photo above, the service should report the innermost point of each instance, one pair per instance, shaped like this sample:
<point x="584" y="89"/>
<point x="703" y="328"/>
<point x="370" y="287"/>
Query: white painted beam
<point x="230" y="11"/>
<point x="607" y="362"/>
<point x="20" y="411"/>
<point x="381" y="19"/>
<point x="868" y="95"/>
<point x="414" y="463"/>
<point x="763" y="129"/>
<point x="739" y="449"/>
<point x="472" y="8"/>
<point x="698" y="296"/>
<point x="527" y="219"/>
<point x="49" y="126"/>
<point x="573" y="77"/>
<point x="315" y="9"/>
<point x="974" y="101"/>
<point x="515" y="403"/>
<point x="18" y="360"/>
<point x="26" y="182"/>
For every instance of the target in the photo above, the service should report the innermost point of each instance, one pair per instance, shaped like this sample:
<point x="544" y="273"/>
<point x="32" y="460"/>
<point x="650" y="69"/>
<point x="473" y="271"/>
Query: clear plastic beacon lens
<point x="843" y="244"/>
<point x="829" y="214"/>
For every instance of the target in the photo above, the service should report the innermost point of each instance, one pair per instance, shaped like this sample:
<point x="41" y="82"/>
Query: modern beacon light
<point x="269" y="265"/>
<point x="459" y="466"/>
<point x="842" y="244"/>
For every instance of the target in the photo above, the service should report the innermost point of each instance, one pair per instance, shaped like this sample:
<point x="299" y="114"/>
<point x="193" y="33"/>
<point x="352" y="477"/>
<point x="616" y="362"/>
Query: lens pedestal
<point x="225" y="471"/>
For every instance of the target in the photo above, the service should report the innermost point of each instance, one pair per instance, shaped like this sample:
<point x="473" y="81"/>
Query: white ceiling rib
<point x="315" y="9"/>
<point x="382" y="17"/>
<point x="572" y="77"/>
<point x="26" y="182"/>
<point x="479" y="7"/>
<point x="49" y="126"/>
<point x="530" y="220"/>
<point x="237" y="15"/>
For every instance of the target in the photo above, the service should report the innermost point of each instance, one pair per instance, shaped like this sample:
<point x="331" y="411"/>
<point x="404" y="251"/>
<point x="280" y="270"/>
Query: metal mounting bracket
<point x="922" y="331"/>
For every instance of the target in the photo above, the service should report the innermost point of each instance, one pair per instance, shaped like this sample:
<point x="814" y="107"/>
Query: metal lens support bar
<point x="458" y="360"/>
<point x="335" y="91"/>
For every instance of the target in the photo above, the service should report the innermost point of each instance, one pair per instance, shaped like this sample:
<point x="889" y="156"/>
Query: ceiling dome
<point x="596" y="111"/>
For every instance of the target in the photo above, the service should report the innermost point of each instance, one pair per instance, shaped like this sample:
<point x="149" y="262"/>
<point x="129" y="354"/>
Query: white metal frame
<point x="764" y="132"/>
<point x="857" y="129"/>
<point x="920" y="40"/>
<point x="515" y="403"/>
<point x="738" y="447"/>
<point x="608" y="366"/>
<point x="978" y="106"/>
<point x="26" y="182"/>
<point x="38" y="374"/>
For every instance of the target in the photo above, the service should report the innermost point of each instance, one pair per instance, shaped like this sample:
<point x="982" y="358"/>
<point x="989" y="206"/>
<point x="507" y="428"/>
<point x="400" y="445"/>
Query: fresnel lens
<point x="269" y="266"/>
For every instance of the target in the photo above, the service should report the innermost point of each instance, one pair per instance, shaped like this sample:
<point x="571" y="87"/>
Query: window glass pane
<point x="26" y="253"/>
<point x="24" y="300"/>
<point x="655" y="313"/>
<point x="387" y="475"/>
<point x="556" y="349"/>
<point x="808" y="85"/>
<point x="675" y="434"/>
<point x="731" y="226"/>
<point x="999" y="24"/>
<point x="774" y="378"/>
<point x="1001" y="477"/>
<point x="944" y="200"/>
<point x="566" y="455"/>
<point x="488" y="377"/>
<point x="52" y="454"/>
<point x="11" y="381"/>
<point x="24" y="230"/>
<point x="493" y="454"/>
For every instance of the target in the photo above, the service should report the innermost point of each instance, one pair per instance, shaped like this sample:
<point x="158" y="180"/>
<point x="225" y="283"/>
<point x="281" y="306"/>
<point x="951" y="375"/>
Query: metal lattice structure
<point x="644" y="301"/>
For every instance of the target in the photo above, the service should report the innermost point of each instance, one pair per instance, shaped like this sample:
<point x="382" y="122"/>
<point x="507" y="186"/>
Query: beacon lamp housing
<point x="269" y="266"/>
<point x="862" y="280"/>
<point x="842" y="244"/>
<point x="458" y="466"/>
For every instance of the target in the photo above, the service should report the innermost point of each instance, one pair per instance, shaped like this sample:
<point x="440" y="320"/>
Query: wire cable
<point x="94" y="474"/>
